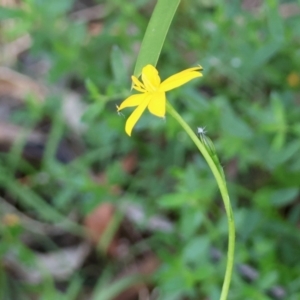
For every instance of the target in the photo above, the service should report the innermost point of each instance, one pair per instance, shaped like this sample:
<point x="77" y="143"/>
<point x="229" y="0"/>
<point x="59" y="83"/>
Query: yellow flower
<point x="153" y="93"/>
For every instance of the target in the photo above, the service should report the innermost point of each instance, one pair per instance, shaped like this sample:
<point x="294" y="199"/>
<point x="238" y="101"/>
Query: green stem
<point x="224" y="193"/>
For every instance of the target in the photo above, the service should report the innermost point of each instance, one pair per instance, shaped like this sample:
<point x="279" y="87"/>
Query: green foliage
<point x="157" y="30"/>
<point x="248" y="101"/>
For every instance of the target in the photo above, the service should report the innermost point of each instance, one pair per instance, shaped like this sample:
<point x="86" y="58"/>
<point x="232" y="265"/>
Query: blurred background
<point x="87" y="212"/>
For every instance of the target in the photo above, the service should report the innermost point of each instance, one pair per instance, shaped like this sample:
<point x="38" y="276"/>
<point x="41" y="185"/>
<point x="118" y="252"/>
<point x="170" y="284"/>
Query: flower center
<point x="150" y="85"/>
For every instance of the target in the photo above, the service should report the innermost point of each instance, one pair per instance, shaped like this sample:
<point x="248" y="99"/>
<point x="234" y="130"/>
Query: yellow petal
<point x="137" y="85"/>
<point x="150" y="78"/>
<point x="157" y="104"/>
<point x="131" y="101"/>
<point x="134" y="117"/>
<point x="180" y="78"/>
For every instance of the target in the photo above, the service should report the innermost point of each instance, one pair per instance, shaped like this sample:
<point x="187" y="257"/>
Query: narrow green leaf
<point x="111" y="291"/>
<point x="110" y="232"/>
<point x="117" y="66"/>
<point x="171" y="201"/>
<point x="155" y="34"/>
<point x="73" y="289"/>
<point x="283" y="197"/>
<point x="92" y="89"/>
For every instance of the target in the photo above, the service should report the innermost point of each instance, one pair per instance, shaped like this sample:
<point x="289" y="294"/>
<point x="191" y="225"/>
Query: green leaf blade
<point x="155" y="34"/>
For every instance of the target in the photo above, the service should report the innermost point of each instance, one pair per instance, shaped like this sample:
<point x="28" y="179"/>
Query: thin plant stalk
<point x="218" y="174"/>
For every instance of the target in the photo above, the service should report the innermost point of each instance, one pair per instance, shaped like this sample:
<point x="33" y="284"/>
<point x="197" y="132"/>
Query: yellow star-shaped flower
<point x="153" y="92"/>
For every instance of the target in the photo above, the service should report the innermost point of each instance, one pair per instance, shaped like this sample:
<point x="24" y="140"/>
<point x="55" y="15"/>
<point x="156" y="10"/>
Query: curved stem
<point x="224" y="193"/>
